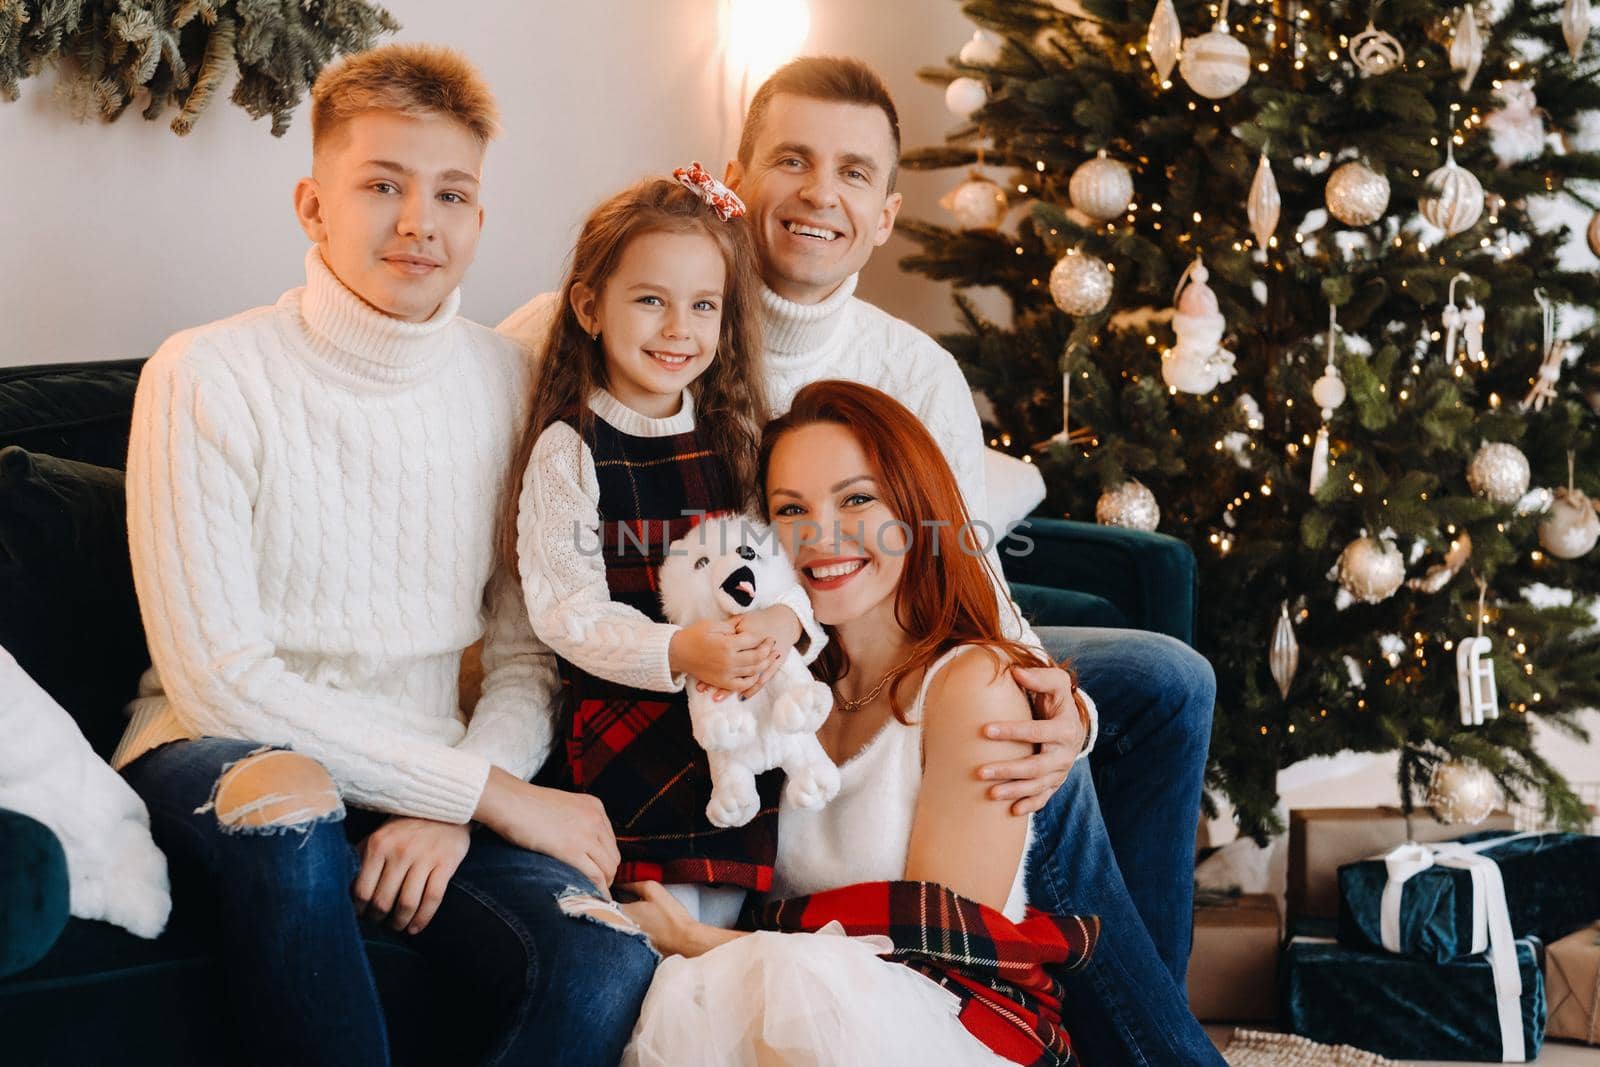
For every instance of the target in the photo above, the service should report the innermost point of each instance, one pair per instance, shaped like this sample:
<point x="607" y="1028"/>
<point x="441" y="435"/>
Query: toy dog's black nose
<point x="741" y="586"/>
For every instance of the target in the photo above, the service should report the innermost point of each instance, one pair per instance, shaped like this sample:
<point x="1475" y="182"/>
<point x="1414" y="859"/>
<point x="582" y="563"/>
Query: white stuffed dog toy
<point x="726" y="566"/>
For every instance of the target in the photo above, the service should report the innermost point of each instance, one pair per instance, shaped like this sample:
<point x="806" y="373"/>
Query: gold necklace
<point x="849" y="706"/>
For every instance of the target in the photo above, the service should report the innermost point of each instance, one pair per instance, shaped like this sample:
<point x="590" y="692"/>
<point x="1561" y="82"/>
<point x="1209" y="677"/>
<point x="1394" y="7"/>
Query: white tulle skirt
<point x="800" y="1000"/>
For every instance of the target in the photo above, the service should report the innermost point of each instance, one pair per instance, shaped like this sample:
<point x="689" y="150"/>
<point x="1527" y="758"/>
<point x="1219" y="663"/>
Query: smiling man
<point x="816" y="167"/>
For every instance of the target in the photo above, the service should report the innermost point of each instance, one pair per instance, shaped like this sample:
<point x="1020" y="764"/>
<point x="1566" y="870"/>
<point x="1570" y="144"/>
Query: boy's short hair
<point x="412" y="79"/>
<point x="838" y="79"/>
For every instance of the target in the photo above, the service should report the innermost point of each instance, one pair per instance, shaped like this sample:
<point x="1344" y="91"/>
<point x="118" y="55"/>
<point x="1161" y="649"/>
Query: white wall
<point x="117" y="235"/>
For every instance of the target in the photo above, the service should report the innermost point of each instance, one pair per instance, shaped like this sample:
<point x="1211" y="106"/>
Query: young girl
<point x="646" y="414"/>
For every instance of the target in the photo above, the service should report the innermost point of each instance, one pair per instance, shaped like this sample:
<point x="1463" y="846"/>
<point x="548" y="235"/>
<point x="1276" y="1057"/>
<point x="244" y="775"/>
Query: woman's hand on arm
<point x="1059" y="733"/>
<point x="962" y="837"/>
<point x="570" y="827"/>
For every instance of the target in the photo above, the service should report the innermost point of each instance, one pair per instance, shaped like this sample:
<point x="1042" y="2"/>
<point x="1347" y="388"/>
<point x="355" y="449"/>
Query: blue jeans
<point x="563" y="990"/>
<point x="1117" y="840"/>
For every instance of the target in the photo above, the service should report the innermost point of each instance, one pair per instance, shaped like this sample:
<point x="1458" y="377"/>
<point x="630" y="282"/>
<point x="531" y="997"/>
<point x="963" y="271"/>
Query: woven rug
<point x="1254" y="1048"/>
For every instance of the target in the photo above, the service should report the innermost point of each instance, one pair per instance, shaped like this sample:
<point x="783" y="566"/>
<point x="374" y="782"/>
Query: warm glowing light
<point x="762" y="35"/>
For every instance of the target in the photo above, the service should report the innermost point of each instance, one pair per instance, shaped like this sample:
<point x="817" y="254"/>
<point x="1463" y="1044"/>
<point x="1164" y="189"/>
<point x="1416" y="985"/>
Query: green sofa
<point x="75" y="992"/>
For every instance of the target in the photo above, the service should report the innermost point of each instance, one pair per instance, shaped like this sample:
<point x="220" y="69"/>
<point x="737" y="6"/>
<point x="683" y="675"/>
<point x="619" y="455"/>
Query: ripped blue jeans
<point x="277" y="902"/>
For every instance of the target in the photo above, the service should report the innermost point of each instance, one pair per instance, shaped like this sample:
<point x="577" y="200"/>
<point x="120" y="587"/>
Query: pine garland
<point x="175" y="53"/>
<point x="1074" y="77"/>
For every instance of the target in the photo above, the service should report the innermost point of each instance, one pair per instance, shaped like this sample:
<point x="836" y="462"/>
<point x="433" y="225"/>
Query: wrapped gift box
<point x="1552" y="887"/>
<point x="1321" y="840"/>
<point x="1572" y="986"/>
<point x="1233" y="968"/>
<point x="1407" y="1008"/>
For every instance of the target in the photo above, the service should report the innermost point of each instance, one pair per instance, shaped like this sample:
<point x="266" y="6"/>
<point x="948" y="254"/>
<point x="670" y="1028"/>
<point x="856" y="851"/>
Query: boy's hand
<point x="405" y="866"/>
<point x="717" y="654"/>
<point x="1059" y="728"/>
<point x="570" y="827"/>
<point x="781" y="626"/>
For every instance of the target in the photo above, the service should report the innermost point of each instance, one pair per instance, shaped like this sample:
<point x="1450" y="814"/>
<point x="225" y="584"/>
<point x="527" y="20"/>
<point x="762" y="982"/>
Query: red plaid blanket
<point x="1009" y="1001"/>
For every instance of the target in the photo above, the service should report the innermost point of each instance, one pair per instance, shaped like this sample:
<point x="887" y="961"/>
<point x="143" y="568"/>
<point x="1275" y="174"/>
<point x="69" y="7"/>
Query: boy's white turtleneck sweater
<point x="845" y="337"/>
<point x="313" y="489"/>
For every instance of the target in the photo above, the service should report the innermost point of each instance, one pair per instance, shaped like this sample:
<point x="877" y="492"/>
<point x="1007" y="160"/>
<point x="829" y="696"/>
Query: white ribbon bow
<point x="1491" y="921"/>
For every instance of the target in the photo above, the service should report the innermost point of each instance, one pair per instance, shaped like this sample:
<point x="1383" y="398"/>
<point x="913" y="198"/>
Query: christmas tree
<point x="1320" y="265"/>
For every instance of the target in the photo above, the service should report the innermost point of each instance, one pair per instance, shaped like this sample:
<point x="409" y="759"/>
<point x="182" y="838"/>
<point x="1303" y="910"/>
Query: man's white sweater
<point x="312" y="496"/>
<point x="843" y="337"/>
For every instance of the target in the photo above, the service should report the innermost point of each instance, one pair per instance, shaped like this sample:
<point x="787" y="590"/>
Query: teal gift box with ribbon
<point x="1440" y="901"/>
<point x="1476" y="1008"/>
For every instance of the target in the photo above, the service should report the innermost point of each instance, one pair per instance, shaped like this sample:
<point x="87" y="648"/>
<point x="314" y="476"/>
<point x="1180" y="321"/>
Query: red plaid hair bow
<point x="724" y="201"/>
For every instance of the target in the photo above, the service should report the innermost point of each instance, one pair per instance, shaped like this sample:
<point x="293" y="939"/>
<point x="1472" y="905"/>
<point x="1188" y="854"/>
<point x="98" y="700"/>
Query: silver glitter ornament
<point x="1283" y="656"/>
<point x="1080" y="284"/>
<point x="1453" y="197"/>
<point x="1499" y="472"/>
<point x="1130" y="505"/>
<point x="1371" y="569"/>
<point x="1460" y="791"/>
<point x="1357" y="195"/>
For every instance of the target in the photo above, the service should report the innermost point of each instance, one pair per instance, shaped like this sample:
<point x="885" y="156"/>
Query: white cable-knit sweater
<point x="567" y="593"/>
<point x="312" y="496"/>
<point x="843" y="337"/>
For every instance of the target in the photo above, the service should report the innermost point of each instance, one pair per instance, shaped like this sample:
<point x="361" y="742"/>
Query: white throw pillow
<point x="1015" y="489"/>
<point x="48" y="771"/>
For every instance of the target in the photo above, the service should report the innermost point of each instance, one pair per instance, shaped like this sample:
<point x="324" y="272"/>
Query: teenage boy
<point x="816" y="168"/>
<point x="311" y="491"/>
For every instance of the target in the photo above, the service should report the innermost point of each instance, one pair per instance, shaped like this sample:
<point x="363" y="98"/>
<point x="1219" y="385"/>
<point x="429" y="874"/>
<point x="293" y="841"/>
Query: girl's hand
<point x="570" y="827"/>
<point x="781" y="626"/>
<point x="405" y="866"/>
<point x="717" y="654"/>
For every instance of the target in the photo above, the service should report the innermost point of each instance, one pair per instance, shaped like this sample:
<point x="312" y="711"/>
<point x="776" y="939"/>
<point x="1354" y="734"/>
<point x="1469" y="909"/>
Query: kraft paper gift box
<point x="1414" y="1009"/>
<point x="1321" y="840"/>
<point x="1233" y="967"/>
<point x="1572" y="986"/>
<point x="1429" y="900"/>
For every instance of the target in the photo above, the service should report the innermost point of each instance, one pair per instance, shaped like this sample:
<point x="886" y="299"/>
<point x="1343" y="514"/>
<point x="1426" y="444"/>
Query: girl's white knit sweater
<point x="313" y="489"/>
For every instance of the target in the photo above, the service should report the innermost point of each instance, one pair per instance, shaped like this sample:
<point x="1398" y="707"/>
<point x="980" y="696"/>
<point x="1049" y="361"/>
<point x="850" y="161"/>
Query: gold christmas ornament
<point x="964" y="96"/>
<point x="1283" y="656"/>
<point x="1370" y="569"/>
<point x="1214" y="64"/>
<point x="1101" y="188"/>
<point x="1080" y="284"/>
<point x="1165" y="39"/>
<point x="1453" y="198"/>
<point x="1130" y="505"/>
<point x="1466" y="47"/>
<point x="983" y="50"/>
<point x="977" y="203"/>
<point x="1264" y="204"/>
<point x="1460" y="791"/>
<point x="1499" y="473"/>
<point x="1375" y="52"/>
<point x="1575" y="26"/>
<point x="1357" y="195"/>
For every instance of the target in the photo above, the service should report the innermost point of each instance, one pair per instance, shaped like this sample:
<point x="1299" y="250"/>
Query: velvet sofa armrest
<point x="1151" y="579"/>
<point x="33" y="891"/>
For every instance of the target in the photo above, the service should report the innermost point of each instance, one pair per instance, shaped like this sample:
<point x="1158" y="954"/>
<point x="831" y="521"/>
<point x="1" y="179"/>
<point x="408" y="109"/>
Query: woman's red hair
<point x="946" y="595"/>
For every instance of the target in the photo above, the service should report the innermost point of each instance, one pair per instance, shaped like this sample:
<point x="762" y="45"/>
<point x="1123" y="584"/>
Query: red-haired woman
<point x="913" y="863"/>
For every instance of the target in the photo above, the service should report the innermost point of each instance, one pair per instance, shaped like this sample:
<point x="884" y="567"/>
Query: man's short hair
<point x="411" y="79"/>
<point x="838" y="79"/>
